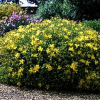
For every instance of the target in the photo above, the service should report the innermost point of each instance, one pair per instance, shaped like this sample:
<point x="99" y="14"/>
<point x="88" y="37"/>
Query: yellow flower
<point x="9" y="74"/>
<point x="76" y="28"/>
<point x="34" y="55"/>
<point x="60" y="34"/>
<point x="52" y="54"/>
<point x="18" y="83"/>
<point x="13" y="46"/>
<point x="59" y="67"/>
<point x="64" y="29"/>
<point x="89" y="55"/>
<point x="76" y="45"/>
<point x="95" y="48"/>
<point x="31" y="70"/>
<point x="81" y="33"/>
<point x="20" y="70"/>
<point x="38" y="32"/>
<point x="82" y="60"/>
<point x="39" y="84"/>
<point x="51" y="46"/>
<point x="71" y="49"/>
<point x="10" y="69"/>
<point x="13" y="74"/>
<point x="32" y="42"/>
<point x="65" y="36"/>
<point x="89" y="45"/>
<point x="36" y="39"/>
<point x="8" y="47"/>
<point x="56" y="50"/>
<point x="81" y="82"/>
<point x="80" y="38"/>
<point x="68" y="33"/>
<point x="48" y="67"/>
<point x="23" y="36"/>
<point x="24" y="51"/>
<point x="71" y="55"/>
<point x="36" y="68"/>
<point x="49" y="36"/>
<point x="88" y="77"/>
<point x="17" y="55"/>
<point x="47" y="87"/>
<point x="86" y="70"/>
<point x="48" y="50"/>
<point x="19" y="74"/>
<point x="31" y="37"/>
<point x="40" y="42"/>
<point x="96" y="62"/>
<point x="45" y="36"/>
<point x="92" y="57"/>
<point x="87" y="62"/>
<point x="70" y="44"/>
<point x="40" y="48"/>
<point x="79" y="52"/>
<point x="21" y="61"/>
<point x="20" y="49"/>
<point x="74" y="66"/>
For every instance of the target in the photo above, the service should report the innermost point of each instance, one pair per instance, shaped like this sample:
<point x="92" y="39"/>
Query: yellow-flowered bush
<point x="54" y="54"/>
<point x="7" y="9"/>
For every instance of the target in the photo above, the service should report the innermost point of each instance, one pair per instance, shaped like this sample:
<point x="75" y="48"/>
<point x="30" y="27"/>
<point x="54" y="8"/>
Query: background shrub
<point x="87" y="9"/>
<point x="68" y="10"/>
<point x="7" y="9"/>
<point x="57" y="7"/>
<point x="95" y="24"/>
<point x="49" y="8"/>
<point x="71" y="9"/>
<point x="55" y="54"/>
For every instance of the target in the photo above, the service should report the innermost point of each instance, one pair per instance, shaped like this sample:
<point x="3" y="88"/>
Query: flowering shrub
<point x="54" y="54"/>
<point x="7" y="9"/>
<point x="13" y="22"/>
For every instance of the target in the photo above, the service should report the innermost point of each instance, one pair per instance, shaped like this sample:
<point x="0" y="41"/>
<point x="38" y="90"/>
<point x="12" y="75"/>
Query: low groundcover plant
<point x="55" y="54"/>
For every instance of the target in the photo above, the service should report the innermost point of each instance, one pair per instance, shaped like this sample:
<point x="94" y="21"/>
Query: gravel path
<point x="15" y="93"/>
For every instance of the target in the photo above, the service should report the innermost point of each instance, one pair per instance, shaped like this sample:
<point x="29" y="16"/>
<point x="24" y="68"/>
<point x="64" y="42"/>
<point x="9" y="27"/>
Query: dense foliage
<point x="57" y="7"/>
<point x="55" y="54"/>
<point x="71" y="9"/>
<point x="95" y="24"/>
<point x="87" y="9"/>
